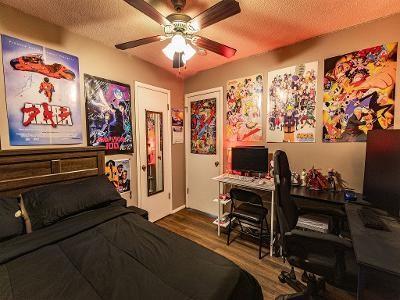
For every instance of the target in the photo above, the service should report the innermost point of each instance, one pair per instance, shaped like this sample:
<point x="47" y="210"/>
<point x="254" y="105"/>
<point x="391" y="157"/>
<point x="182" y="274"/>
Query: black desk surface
<point x="332" y="197"/>
<point x="376" y="249"/>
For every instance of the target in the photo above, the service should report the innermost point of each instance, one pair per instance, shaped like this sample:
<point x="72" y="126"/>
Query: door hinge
<point x="167" y="106"/>
<point x="169" y="195"/>
<point x="187" y="190"/>
<point x="186" y="108"/>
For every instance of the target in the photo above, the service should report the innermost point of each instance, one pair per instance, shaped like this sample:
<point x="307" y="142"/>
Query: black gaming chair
<point x="325" y="255"/>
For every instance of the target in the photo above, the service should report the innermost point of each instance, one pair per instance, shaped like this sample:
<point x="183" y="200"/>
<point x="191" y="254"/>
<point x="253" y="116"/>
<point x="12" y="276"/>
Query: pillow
<point x="11" y="222"/>
<point x="54" y="202"/>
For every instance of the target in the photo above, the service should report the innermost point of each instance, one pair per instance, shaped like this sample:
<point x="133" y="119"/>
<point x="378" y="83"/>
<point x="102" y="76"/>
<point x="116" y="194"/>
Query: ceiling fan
<point x="182" y="30"/>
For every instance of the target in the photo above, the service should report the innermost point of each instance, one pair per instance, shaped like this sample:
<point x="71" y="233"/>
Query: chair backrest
<point x="245" y="196"/>
<point x="286" y="208"/>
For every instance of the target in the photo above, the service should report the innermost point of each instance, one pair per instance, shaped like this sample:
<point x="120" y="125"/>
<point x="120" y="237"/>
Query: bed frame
<point x="21" y="170"/>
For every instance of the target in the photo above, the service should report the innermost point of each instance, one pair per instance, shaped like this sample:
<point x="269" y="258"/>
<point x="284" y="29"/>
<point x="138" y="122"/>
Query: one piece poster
<point x="359" y="93"/>
<point x="177" y="125"/>
<point x="243" y="109"/>
<point x="291" y="102"/>
<point x="203" y="126"/>
<point x="119" y="173"/>
<point x="42" y="94"/>
<point x="108" y="114"/>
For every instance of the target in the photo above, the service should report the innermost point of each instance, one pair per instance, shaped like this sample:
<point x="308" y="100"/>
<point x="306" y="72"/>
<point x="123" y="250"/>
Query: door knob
<point x="143" y="168"/>
<point x="216" y="163"/>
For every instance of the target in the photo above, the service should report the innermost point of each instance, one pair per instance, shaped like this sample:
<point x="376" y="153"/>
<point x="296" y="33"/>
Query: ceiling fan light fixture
<point x="169" y="51"/>
<point x="188" y="52"/>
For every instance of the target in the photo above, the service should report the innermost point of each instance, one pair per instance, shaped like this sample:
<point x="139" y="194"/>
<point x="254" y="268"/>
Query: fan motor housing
<point x="178" y="4"/>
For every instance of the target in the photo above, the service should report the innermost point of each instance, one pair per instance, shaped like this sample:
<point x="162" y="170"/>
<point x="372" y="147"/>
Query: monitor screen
<point x="382" y="170"/>
<point x="250" y="159"/>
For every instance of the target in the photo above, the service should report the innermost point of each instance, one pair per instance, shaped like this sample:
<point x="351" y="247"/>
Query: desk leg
<point x="271" y="243"/>
<point x="219" y="209"/>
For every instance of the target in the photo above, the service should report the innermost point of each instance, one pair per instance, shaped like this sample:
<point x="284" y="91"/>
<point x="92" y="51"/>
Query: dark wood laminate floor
<point x="198" y="227"/>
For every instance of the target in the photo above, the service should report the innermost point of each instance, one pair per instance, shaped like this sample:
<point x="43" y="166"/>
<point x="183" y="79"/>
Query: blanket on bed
<point x="111" y="253"/>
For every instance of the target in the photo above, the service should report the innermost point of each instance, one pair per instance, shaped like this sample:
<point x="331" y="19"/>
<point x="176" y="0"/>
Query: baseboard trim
<point x="178" y="209"/>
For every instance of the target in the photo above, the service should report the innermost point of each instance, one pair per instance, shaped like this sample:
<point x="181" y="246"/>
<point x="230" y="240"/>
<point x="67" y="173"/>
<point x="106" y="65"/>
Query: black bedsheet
<point x="111" y="253"/>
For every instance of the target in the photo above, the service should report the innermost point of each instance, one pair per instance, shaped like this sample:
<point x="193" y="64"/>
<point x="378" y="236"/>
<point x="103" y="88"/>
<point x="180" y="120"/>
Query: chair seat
<point x="250" y="212"/>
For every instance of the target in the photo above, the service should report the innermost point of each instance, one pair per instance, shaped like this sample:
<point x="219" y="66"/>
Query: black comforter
<point x="111" y="253"/>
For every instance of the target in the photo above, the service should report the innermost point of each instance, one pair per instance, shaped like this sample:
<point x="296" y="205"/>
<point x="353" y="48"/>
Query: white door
<point x="203" y="139"/>
<point x="154" y="150"/>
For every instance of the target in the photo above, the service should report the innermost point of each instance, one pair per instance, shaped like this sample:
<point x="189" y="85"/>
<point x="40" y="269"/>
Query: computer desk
<point x="378" y="256"/>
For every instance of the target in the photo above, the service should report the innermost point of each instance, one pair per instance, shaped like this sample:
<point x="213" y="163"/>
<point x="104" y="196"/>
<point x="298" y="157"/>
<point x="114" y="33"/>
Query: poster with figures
<point x="243" y="109"/>
<point x="203" y="126"/>
<point x="291" y="103"/>
<point x="42" y="94"/>
<point x="359" y="93"/>
<point x="177" y="125"/>
<point x="119" y="173"/>
<point x="108" y="114"/>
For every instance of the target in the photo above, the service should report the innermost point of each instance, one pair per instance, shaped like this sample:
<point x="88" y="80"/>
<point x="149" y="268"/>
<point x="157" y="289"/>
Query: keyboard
<point x="371" y="220"/>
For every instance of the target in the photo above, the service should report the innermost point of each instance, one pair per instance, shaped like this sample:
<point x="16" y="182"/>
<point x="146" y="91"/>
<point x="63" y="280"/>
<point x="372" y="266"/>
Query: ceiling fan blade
<point x="218" y="12"/>
<point x="177" y="62"/>
<point x="133" y="44"/>
<point x="149" y="11"/>
<point x="213" y="46"/>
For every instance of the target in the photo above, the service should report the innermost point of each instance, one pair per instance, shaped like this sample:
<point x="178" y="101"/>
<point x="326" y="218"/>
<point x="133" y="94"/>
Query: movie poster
<point x="203" y="126"/>
<point x="291" y="102"/>
<point x="119" y="173"/>
<point x="177" y="126"/>
<point x="42" y="94"/>
<point x="359" y="93"/>
<point x="108" y="114"/>
<point x="243" y="109"/>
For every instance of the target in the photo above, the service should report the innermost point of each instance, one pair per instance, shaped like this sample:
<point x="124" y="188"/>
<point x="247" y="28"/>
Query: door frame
<point x="167" y="160"/>
<point x="220" y="124"/>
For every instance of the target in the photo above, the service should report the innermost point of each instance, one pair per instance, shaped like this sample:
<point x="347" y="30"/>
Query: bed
<point x="104" y="250"/>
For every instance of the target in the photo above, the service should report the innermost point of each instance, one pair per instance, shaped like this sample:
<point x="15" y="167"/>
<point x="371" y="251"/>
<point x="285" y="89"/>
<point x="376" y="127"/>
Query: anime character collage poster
<point x="359" y="90"/>
<point x="42" y="94"/>
<point x="291" y="103"/>
<point x="243" y="109"/>
<point x="203" y="131"/>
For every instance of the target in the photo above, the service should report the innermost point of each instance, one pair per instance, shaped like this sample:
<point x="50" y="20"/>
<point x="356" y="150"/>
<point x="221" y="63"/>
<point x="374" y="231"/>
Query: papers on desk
<point x="313" y="223"/>
<point x="245" y="181"/>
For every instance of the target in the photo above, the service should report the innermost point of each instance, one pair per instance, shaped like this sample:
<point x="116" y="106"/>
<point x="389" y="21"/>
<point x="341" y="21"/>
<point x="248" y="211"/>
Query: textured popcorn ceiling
<point x="262" y="25"/>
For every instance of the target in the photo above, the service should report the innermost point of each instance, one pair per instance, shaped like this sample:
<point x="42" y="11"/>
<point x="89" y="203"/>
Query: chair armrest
<point x="317" y="239"/>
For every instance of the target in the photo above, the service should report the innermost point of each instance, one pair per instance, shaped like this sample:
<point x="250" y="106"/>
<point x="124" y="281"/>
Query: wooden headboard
<point x="21" y="170"/>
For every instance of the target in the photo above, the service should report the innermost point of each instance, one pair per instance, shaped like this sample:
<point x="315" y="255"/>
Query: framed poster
<point x="243" y="109"/>
<point x="203" y="131"/>
<point x="359" y="93"/>
<point x="42" y="94"/>
<point x="291" y="102"/>
<point x="177" y="126"/>
<point x="108" y="114"/>
<point x="119" y="173"/>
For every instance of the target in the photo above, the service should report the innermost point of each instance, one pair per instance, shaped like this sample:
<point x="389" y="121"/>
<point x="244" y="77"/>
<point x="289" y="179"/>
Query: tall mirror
<point x="155" y="159"/>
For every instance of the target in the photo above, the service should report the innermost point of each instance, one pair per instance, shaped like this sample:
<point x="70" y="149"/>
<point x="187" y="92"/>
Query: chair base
<point x="314" y="290"/>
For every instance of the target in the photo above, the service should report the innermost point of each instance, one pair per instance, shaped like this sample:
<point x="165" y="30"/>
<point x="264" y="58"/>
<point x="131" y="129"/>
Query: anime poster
<point x="359" y="93"/>
<point x="108" y="114"/>
<point x="177" y="126"/>
<point x="243" y="113"/>
<point x="291" y="104"/>
<point x="203" y="126"/>
<point x="42" y="94"/>
<point x="119" y="173"/>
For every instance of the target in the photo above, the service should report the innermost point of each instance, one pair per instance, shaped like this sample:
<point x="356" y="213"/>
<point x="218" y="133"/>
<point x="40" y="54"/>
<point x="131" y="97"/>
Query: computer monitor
<point x="250" y="159"/>
<point x="382" y="170"/>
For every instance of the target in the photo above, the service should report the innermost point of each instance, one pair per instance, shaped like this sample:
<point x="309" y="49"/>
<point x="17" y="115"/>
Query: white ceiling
<point x="262" y="25"/>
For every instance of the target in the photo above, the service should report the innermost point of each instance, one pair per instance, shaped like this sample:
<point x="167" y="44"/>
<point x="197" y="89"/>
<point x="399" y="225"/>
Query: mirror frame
<point x="148" y="112"/>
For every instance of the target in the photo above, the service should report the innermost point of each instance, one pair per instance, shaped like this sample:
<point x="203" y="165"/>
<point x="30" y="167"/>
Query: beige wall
<point x="99" y="60"/>
<point x="347" y="158"/>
